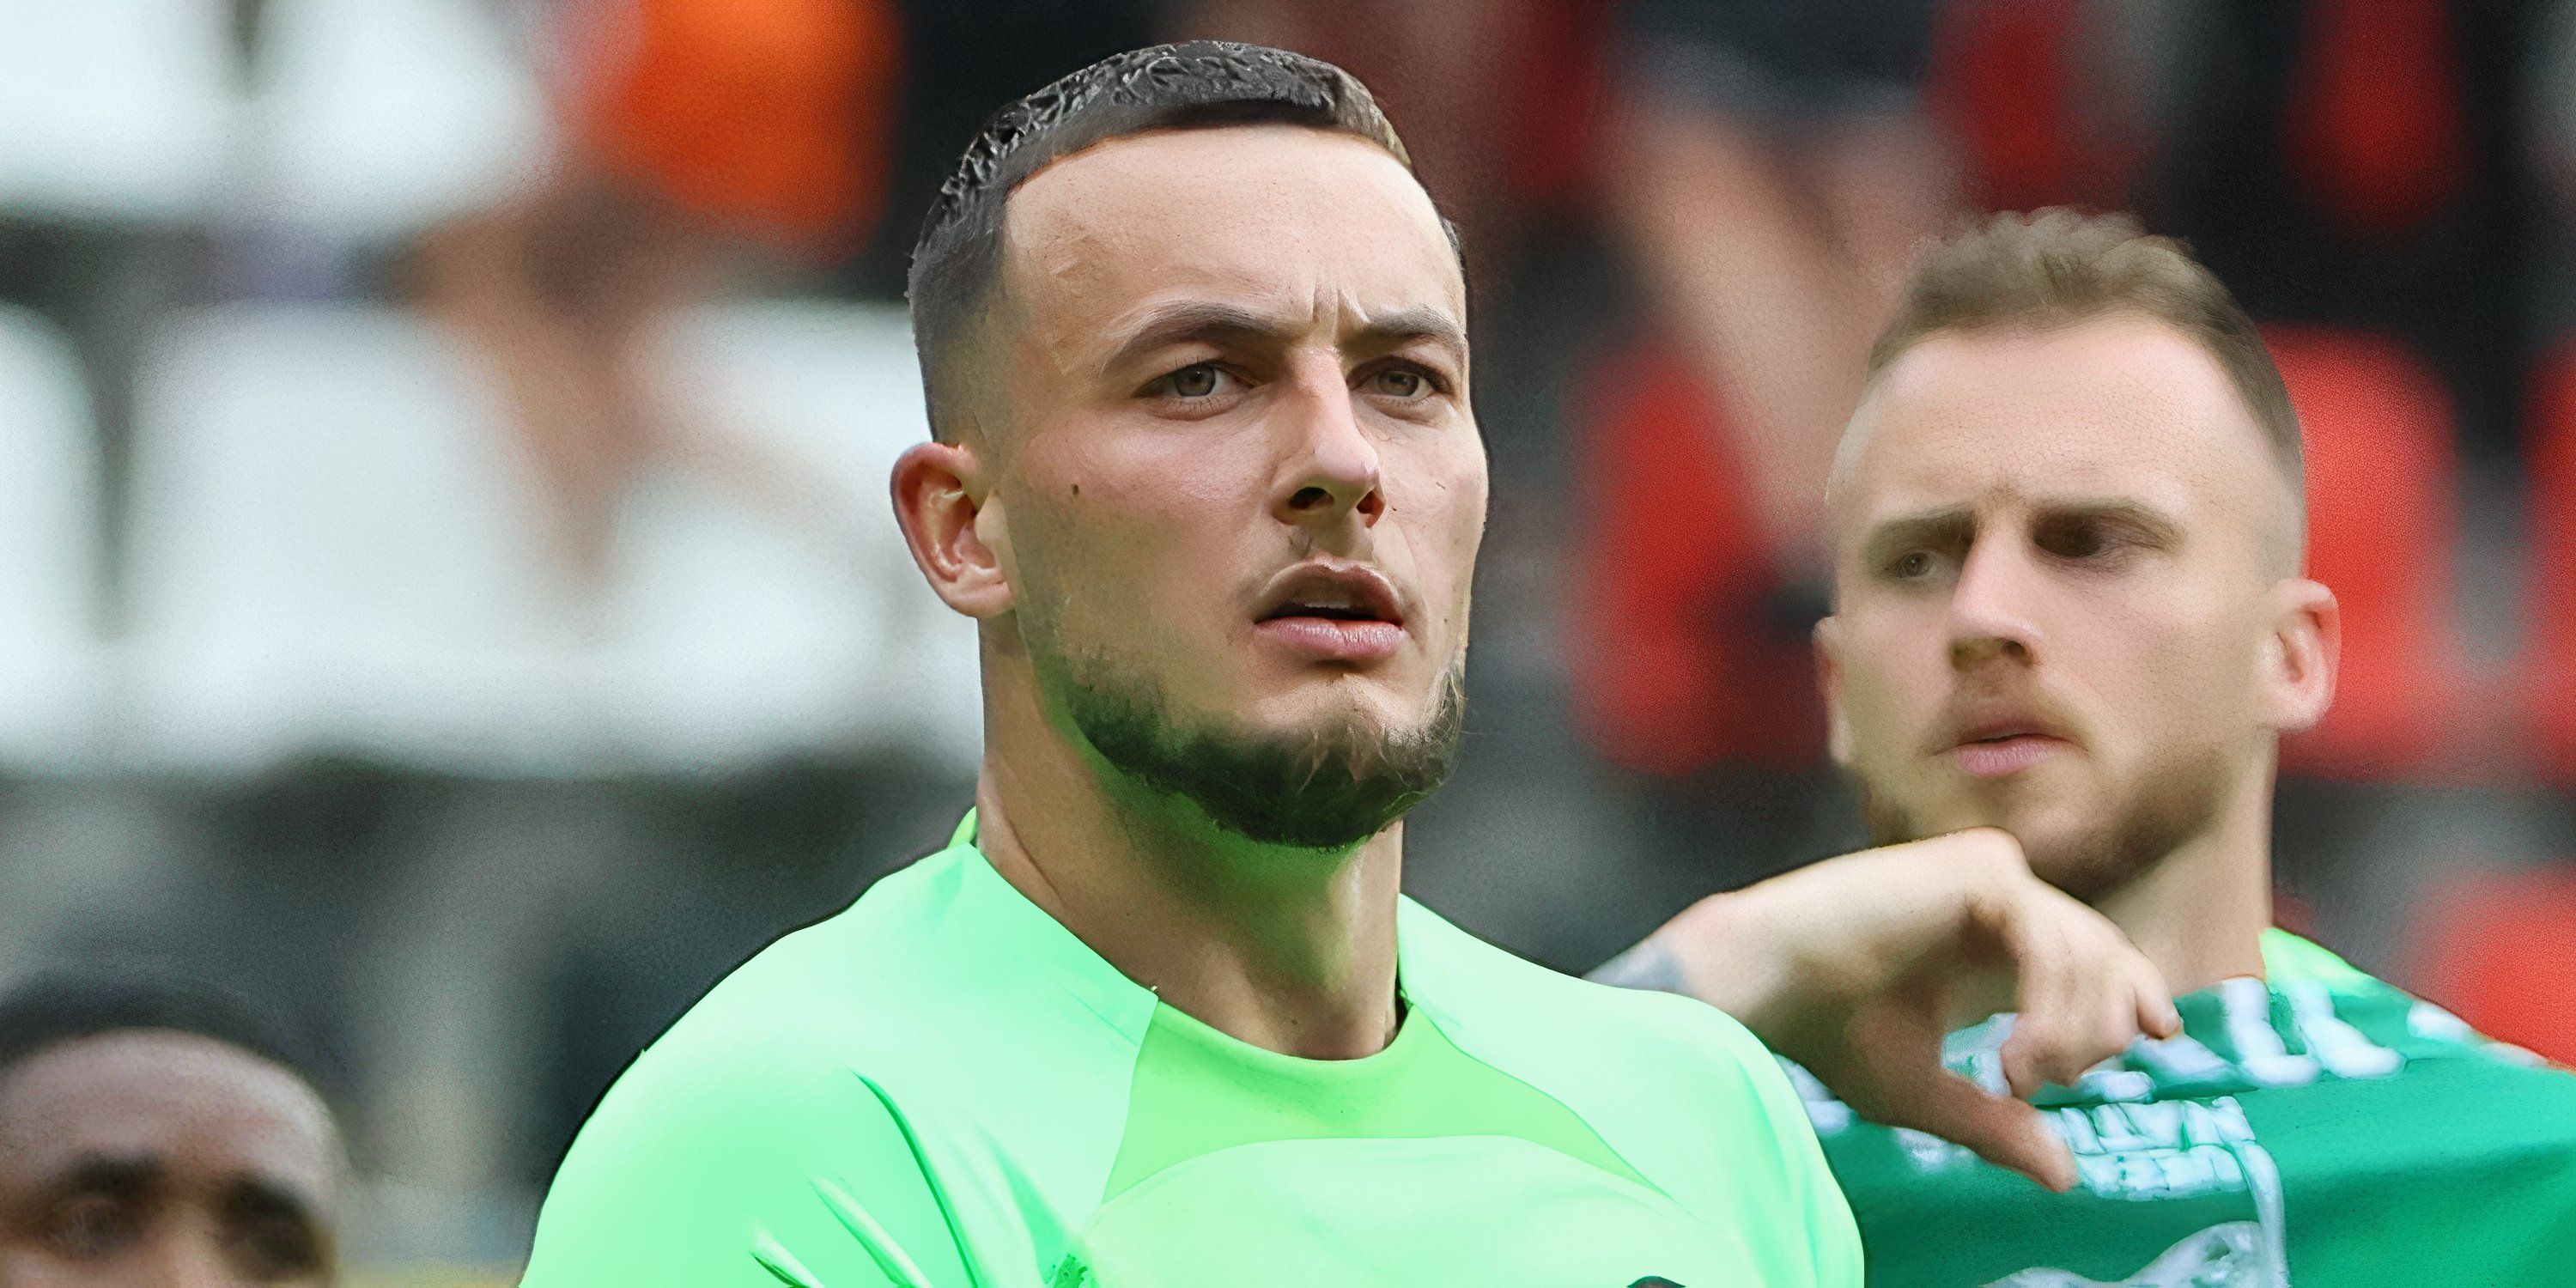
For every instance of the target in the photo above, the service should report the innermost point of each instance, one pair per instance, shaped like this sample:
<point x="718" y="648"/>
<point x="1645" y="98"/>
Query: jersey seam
<point x="929" y="1178"/>
<point x="1634" y="1171"/>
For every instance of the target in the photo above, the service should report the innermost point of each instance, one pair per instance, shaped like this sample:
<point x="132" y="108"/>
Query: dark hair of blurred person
<point x="157" y="1134"/>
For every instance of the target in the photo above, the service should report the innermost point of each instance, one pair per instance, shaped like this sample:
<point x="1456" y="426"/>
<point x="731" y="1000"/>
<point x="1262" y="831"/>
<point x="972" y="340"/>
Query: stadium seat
<point x="49" y="577"/>
<point x="2548" y="671"/>
<point x="371" y="119"/>
<point x="1677" y="663"/>
<point x="333" y="551"/>
<point x="743" y="637"/>
<point x="118" y="110"/>
<point x="329" y="552"/>
<point x="2383" y="480"/>
<point x="2499" y="950"/>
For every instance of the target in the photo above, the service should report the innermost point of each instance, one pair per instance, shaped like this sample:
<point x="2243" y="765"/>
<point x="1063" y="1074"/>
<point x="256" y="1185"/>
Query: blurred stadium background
<point x="447" y="592"/>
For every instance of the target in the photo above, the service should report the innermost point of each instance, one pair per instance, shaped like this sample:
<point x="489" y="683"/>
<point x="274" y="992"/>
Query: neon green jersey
<point x="2317" y="1128"/>
<point x="943" y="1086"/>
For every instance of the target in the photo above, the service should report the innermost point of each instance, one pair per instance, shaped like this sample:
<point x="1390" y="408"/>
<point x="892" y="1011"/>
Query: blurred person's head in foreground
<point x="156" y="1134"/>
<point x="2068" y="524"/>
<point x="1194" y="341"/>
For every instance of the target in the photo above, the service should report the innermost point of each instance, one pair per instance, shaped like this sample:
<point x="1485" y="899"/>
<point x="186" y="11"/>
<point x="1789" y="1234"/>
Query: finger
<point x="2109" y="1007"/>
<point x="1999" y="1129"/>
<point x="2048" y="1041"/>
<point x="2156" y="1014"/>
<point x="2121" y="1005"/>
<point x="2039" y="1056"/>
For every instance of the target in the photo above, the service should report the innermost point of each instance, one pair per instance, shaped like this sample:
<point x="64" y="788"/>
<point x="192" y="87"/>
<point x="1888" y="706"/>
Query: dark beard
<point x="2177" y="802"/>
<point x="1321" y="789"/>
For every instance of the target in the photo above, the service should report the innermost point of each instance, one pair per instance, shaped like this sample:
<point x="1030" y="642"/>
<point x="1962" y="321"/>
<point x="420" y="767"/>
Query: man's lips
<point x="1333" y="640"/>
<point x="1333" y="611"/>
<point x="2000" y="749"/>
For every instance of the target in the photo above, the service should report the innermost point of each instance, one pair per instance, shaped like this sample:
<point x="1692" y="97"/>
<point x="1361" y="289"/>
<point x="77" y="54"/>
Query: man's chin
<point x="2039" y="825"/>
<point x="1353" y="727"/>
<point x="1300" y="774"/>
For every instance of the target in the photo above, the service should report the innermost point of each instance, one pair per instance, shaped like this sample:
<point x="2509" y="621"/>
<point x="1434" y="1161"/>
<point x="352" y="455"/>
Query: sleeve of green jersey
<point x="711" y="1173"/>
<point x="1833" y="1234"/>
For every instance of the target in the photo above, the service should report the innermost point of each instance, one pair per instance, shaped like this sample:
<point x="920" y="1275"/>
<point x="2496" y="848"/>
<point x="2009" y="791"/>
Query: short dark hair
<point x="2058" y="266"/>
<point x="52" y="1010"/>
<point x="1198" y="84"/>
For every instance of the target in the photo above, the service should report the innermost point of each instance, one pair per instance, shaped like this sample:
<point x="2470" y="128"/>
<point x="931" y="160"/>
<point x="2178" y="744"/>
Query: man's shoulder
<point x="874" y="962"/>
<point x="889" y="985"/>
<point x="845" y="1068"/>
<point x="1610" y="1052"/>
<point x="1492" y="986"/>
<point x="1668" y="1082"/>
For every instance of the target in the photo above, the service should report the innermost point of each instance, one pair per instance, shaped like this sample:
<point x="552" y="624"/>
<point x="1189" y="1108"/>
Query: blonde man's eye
<point x="1192" y="382"/>
<point x="1402" y="384"/>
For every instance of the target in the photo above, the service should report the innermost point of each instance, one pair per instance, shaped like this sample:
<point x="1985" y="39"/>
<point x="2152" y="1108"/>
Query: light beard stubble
<point x="1325" y="788"/>
<point x="2172" y="803"/>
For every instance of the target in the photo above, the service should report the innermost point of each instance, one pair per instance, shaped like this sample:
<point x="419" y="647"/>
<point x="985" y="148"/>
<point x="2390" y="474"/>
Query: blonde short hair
<point x="2057" y="266"/>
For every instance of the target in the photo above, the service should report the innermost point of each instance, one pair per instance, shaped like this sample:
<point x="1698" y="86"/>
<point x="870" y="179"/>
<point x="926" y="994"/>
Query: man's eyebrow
<point x="1957" y="527"/>
<point x="104" y="1174"/>
<point x="1211" y="322"/>
<point x="1188" y="320"/>
<point x="2139" y="514"/>
<point x="1934" y="528"/>
<point x="1404" y="326"/>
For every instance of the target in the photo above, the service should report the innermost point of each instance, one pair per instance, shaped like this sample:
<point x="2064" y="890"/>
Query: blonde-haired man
<point x="2067" y="534"/>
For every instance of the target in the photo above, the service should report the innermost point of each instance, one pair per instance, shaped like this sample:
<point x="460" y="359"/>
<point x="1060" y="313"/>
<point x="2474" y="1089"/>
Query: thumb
<point x="1999" y="1129"/>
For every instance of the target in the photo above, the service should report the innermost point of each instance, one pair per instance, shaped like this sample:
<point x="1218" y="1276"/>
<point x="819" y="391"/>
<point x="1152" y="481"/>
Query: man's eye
<point x="92" y="1227"/>
<point x="1911" y="566"/>
<point x="2072" y="540"/>
<point x="272" y="1251"/>
<point x="1401" y="382"/>
<point x="1200" y="380"/>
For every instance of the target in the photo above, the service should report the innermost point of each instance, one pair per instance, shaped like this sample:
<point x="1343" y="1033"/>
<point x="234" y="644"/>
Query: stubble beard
<point x="1326" y="787"/>
<point x="2173" y="803"/>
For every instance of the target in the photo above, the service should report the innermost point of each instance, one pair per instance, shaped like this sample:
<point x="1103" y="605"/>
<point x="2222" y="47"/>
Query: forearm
<point x="1651" y="966"/>
<point x="1777" y="953"/>
<point x="1724" y="950"/>
<point x="1758" y="298"/>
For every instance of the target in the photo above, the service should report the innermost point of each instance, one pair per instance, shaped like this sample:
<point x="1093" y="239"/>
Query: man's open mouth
<point x="1346" y="613"/>
<point x="1339" y="594"/>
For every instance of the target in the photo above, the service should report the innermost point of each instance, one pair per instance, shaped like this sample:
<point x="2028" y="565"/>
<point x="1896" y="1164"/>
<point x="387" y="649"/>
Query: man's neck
<point x="1286" y="949"/>
<point x="2199" y="913"/>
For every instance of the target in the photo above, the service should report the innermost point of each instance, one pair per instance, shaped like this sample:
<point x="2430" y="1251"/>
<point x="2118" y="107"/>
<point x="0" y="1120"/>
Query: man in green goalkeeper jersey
<point x="1207" y="478"/>
<point x="2067" y="519"/>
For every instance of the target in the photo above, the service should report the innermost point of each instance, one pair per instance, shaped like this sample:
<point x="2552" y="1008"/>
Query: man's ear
<point x="2300" y="655"/>
<point x="938" y="500"/>
<point x="1829" y="675"/>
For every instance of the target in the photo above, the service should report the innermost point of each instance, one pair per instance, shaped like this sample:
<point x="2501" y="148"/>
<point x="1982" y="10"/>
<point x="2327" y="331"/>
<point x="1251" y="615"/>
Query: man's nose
<point x="1991" y="606"/>
<point x="194" y="1258"/>
<point x="1332" y="462"/>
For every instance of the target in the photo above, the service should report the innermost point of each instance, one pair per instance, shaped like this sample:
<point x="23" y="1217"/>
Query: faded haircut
<point x="1200" y="84"/>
